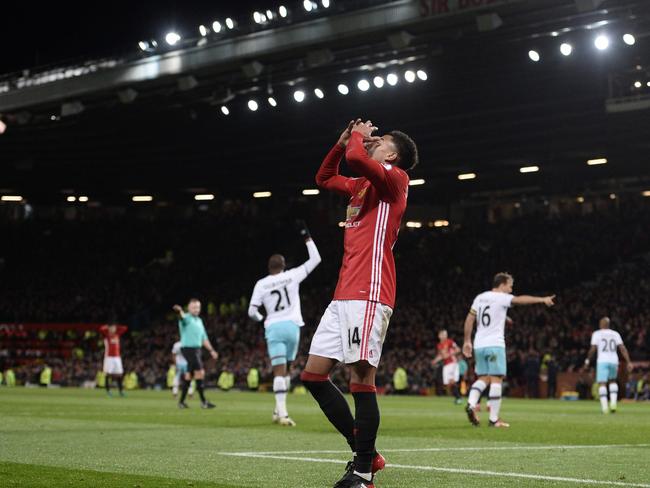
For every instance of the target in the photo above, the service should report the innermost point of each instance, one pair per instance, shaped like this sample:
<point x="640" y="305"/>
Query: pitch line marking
<point x="449" y="470"/>
<point x="447" y="449"/>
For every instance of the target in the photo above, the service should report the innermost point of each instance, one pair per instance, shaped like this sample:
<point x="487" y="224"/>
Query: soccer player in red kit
<point x="112" y="359"/>
<point x="448" y="352"/>
<point x="353" y="328"/>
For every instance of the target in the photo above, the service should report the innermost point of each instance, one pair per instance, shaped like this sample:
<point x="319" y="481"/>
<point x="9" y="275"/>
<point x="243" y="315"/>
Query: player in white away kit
<point x="607" y="342"/>
<point x="279" y="293"/>
<point x="181" y="368"/>
<point x="489" y="311"/>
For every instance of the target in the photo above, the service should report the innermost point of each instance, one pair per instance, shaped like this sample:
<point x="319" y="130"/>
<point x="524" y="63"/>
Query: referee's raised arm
<point x="179" y="310"/>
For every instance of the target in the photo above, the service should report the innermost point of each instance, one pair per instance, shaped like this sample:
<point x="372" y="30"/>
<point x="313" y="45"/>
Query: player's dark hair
<point x="501" y="279"/>
<point x="407" y="151"/>
<point x="276" y="263"/>
<point x="193" y="300"/>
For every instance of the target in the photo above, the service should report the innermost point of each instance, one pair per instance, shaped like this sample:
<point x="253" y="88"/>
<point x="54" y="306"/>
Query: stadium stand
<point x="132" y="268"/>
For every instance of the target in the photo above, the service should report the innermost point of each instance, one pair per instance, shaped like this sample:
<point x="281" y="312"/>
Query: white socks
<point x="475" y="392"/>
<point x="613" y="395"/>
<point x="280" y="390"/>
<point x="602" y="393"/>
<point x="494" y="401"/>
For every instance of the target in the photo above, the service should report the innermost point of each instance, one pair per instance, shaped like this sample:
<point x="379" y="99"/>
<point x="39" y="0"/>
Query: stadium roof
<point x="485" y="106"/>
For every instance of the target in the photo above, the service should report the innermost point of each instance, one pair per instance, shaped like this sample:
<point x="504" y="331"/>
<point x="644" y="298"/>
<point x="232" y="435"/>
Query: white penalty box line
<point x="286" y="456"/>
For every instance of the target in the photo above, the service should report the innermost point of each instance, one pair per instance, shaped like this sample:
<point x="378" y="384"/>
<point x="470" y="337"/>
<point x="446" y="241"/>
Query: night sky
<point x="59" y="31"/>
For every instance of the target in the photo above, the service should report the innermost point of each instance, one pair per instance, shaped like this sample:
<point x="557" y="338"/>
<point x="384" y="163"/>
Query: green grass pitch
<point x="73" y="437"/>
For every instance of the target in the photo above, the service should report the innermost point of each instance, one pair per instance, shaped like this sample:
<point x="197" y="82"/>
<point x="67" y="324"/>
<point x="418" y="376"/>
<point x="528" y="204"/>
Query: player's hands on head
<point x="549" y="301"/>
<point x="177" y="308"/>
<point x="467" y="349"/>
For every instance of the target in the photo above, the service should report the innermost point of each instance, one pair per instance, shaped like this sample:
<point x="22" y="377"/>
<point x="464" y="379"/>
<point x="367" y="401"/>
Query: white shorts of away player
<point x="113" y="365"/>
<point x="351" y="331"/>
<point x="450" y="374"/>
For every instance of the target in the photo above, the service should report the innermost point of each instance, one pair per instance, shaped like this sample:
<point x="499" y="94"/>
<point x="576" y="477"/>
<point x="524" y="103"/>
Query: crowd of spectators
<point x="131" y="270"/>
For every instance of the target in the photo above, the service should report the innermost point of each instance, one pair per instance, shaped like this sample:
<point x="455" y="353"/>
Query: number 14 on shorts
<point x="354" y="337"/>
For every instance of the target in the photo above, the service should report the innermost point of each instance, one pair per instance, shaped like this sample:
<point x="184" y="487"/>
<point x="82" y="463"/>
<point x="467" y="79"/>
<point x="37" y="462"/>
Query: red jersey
<point x="374" y="213"/>
<point x="112" y="341"/>
<point x="448" y="350"/>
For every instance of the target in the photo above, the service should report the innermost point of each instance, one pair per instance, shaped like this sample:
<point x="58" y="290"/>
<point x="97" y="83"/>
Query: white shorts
<point x="113" y="365"/>
<point x="351" y="331"/>
<point x="450" y="374"/>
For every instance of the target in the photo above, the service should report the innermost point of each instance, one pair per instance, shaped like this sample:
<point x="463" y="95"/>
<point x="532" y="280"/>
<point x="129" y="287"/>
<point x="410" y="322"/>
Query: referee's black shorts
<point x="193" y="357"/>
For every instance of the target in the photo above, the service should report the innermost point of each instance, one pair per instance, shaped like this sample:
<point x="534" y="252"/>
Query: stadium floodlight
<point x="230" y="23"/>
<point x="343" y="89"/>
<point x="566" y="49"/>
<point x="142" y="198"/>
<point x="325" y="3"/>
<point x="597" y="161"/>
<point x="143" y="45"/>
<point x="646" y="193"/>
<point x="203" y="30"/>
<point x="272" y="102"/>
<point x="647" y="84"/>
<point x="601" y="42"/>
<point x="252" y="105"/>
<point x="257" y="17"/>
<point x="417" y="182"/>
<point x="299" y="96"/>
<point x="283" y="11"/>
<point x="629" y="39"/>
<point x="11" y="198"/>
<point x="204" y="197"/>
<point x="71" y="199"/>
<point x="534" y="55"/>
<point x="555" y="34"/>
<point x="612" y="196"/>
<point x="638" y="84"/>
<point x="264" y="19"/>
<point x="262" y="194"/>
<point x="216" y="26"/>
<point x="83" y="198"/>
<point x="413" y="225"/>
<point x="378" y="81"/>
<point x="467" y="176"/>
<point x="172" y="38"/>
<point x="392" y="79"/>
<point x="409" y="76"/>
<point x="269" y="14"/>
<point x="422" y="75"/>
<point x="308" y="5"/>
<point x="319" y="93"/>
<point x="225" y="110"/>
<point x="580" y="199"/>
<point x="529" y="169"/>
<point x="441" y="223"/>
<point x="311" y="191"/>
<point x="363" y="85"/>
